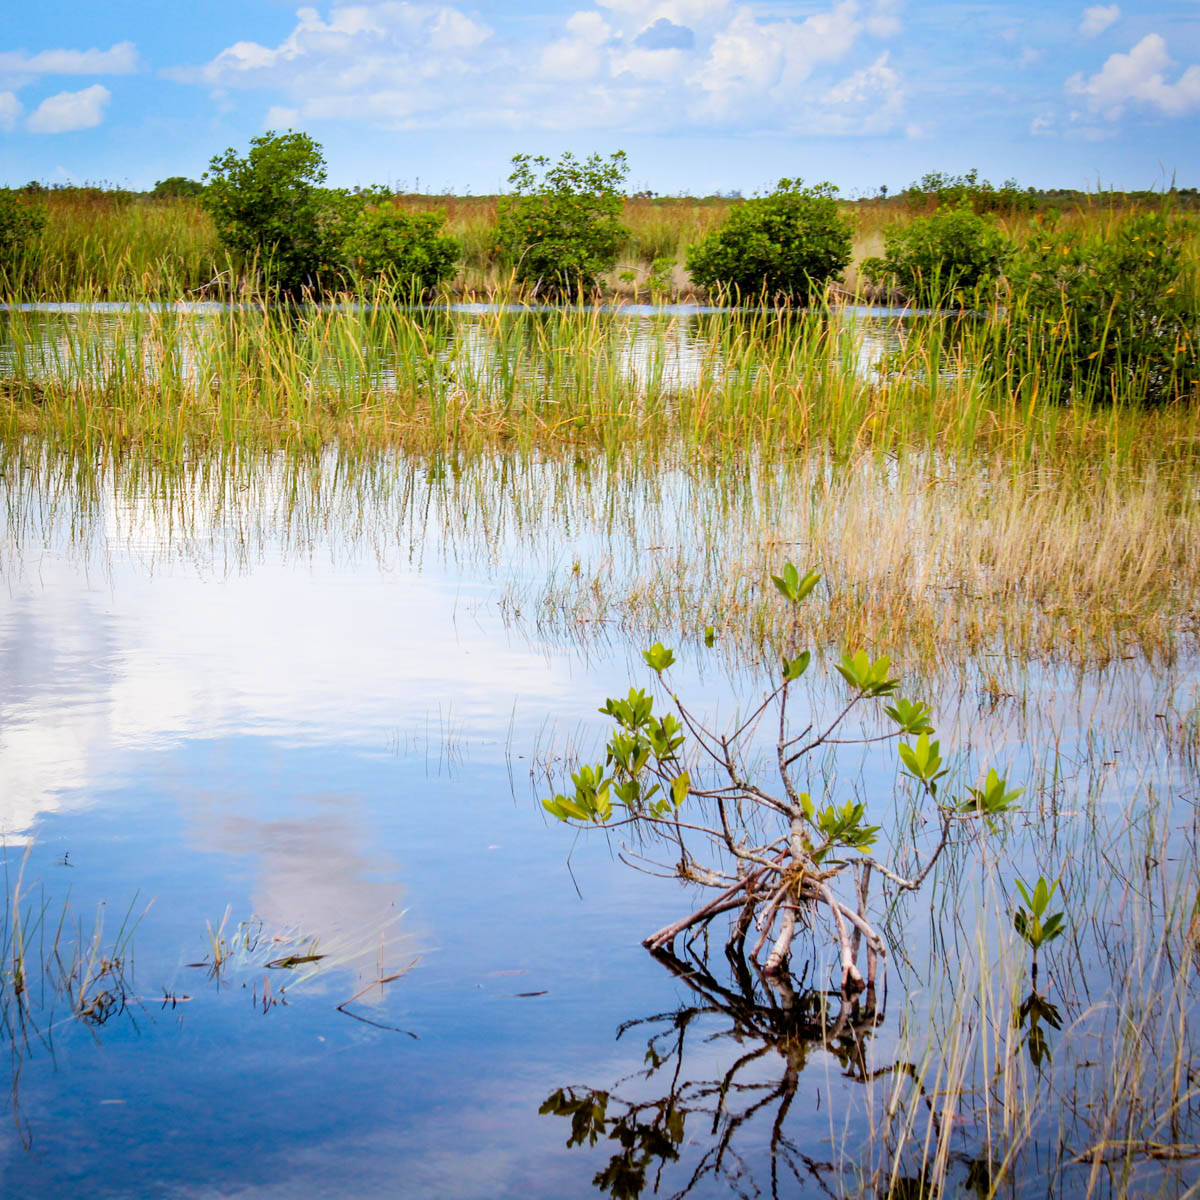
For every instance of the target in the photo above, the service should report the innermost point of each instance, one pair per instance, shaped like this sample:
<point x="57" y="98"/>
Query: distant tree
<point x="944" y="258"/>
<point x="271" y="209"/>
<point x="177" y="186"/>
<point x="560" y="227"/>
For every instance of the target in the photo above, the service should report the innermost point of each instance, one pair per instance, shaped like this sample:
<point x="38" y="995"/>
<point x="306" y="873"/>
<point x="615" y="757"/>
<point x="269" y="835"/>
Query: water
<point x="266" y="724"/>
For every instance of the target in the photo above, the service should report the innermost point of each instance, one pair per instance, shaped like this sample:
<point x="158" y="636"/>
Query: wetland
<point x="304" y="615"/>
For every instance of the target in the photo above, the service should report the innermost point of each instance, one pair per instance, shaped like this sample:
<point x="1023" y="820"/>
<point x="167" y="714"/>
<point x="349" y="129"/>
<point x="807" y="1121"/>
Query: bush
<point x="938" y="189"/>
<point x="21" y="225"/>
<point x="270" y="209"/>
<point x="932" y="258"/>
<point x="1111" y="313"/>
<point x="177" y="187"/>
<point x="407" y="250"/>
<point x="785" y="246"/>
<point x="560" y="228"/>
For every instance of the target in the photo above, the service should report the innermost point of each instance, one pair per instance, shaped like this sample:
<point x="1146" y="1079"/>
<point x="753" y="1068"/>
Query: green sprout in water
<point x="1030" y="921"/>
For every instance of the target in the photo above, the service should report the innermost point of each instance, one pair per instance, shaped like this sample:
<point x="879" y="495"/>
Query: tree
<point x="176" y="187"/>
<point x="1109" y="314"/>
<point x="772" y="859"/>
<point x="560" y="228"/>
<point x="786" y="246"/>
<point x="270" y="209"/>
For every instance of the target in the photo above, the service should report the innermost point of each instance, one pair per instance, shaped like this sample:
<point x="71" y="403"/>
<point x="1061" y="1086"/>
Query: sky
<point x="703" y="95"/>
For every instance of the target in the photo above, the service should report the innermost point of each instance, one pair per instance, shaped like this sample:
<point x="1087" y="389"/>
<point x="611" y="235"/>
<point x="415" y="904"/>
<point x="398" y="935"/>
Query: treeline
<point x="1103" y="291"/>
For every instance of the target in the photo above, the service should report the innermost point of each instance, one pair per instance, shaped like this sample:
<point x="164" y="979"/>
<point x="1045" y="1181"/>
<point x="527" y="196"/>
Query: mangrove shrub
<point x="1108" y="314"/>
<point x="773" y="860"/>
<point x="785" y="247"/>
<point x="947" y="257"/>
<point x="271" y="210"/>
<point x="406" y="251"/>
<point x="560" y="228"/>
<point x="21" y="224"/>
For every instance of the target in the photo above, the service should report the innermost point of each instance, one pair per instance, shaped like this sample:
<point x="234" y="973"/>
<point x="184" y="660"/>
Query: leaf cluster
<point x="785" y="246"/>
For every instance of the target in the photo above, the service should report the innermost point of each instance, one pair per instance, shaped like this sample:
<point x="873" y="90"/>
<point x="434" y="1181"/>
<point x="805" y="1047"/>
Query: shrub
<point x="177" y="187"/>
<point x="785" y="246"/>
<point x="21" y="225"/>
<point x="776" y="859"/>
<point x="938" y="189"/>
<point x="270" y="209"/>
<point x="1110" y="313"/>
<point x="560" y="228"/>
<point x="932" y="258"/>
<point x="407" y="250"/>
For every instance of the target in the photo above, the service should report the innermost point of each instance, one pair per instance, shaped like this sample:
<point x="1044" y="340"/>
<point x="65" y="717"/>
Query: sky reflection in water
<point x="300" y="748"/>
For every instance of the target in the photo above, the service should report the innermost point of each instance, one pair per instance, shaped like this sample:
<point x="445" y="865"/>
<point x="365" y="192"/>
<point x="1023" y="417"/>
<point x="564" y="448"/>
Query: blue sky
<point x="703" y="95"/>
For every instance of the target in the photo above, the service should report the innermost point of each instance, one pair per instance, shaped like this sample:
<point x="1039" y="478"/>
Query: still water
<point x="291" y="921"/>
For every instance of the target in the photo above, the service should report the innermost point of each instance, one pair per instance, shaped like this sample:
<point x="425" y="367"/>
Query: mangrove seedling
<point x="772" y="858"/>
<point x="1030" y="921"/>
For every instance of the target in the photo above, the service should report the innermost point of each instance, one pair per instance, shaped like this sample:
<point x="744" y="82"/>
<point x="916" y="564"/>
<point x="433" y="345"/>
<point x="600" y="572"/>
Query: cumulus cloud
<point x="69" y="111"/>
<point x="10" y="110"/>
<point x="1139" y="77"/>
<point x="1098" y="18"/>
<point x="121" y="59"/>
<point x="644" y="64"/>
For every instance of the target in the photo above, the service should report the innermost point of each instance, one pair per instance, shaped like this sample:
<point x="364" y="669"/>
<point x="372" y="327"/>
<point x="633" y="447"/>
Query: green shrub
<point x="177" y="186"/>
<point x="785" y="246"/>
<point x="21" y="225"/>
<point x="560" y="228"/>
<point x="270" y="209"/>
<point x="938" y="189"/>
<point x="1109" y="314"/>
<point x="954" y="251"/>
<point x="406" y="250"/>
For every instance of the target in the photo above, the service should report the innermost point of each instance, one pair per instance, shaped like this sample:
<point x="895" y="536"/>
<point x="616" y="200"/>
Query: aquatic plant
<point x="785" y="246"/>
<point x="773" y="859"/>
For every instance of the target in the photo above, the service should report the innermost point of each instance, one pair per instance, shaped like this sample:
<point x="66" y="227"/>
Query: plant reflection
<point x="775" y="1025"/>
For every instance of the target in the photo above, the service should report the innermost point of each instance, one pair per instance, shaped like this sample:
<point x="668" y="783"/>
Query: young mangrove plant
<point x="1030" y="920"/>
<point x="773" y="858"/>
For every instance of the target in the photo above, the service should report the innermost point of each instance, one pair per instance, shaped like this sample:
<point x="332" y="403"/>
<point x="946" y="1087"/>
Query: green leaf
<point x="710" y="636"/>
<point x="658" y="657"/>
<point x="792" y="670"/>
<point x="679" y="788"/>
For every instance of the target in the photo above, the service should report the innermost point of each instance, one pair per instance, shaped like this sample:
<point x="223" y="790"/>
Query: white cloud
<point x="638" y="64"/>
<point x="70" y="111"/>
<point x="1098" y="18"/>
<point x="281" y="117"/>
<point x="1139" y="78"/>
<point x="10" y="110"/>
<point x="121" y="59"/>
